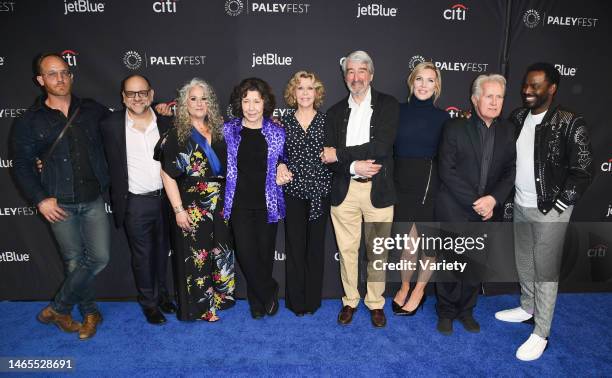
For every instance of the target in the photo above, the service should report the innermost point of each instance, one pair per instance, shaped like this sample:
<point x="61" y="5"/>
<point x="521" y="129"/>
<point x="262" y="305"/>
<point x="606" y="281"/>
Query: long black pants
<point x="146" y="226"/>
<point x="255" y="245"/>
<point x="304" y="247"/>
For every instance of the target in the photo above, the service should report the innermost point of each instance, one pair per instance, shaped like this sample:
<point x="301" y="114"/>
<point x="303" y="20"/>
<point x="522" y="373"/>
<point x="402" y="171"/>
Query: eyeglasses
<point x="56" y="74"/>
<point x="132" y="94"/>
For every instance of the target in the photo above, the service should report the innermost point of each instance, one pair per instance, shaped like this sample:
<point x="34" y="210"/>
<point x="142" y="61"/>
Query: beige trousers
<point x="347" y="219"/>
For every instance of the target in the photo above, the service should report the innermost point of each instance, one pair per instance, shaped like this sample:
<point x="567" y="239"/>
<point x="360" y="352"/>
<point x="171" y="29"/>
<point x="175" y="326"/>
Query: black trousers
<point x="146" y="226"/>
<point x="255" y="242"/>
<point x="304" y="247"/>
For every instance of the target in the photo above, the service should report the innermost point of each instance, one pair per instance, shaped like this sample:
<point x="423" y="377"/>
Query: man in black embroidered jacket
<point x="553" y="170"/>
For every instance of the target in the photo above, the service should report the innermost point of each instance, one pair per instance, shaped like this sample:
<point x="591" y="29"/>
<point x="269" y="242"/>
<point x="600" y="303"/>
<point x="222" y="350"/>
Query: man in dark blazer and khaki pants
<point x="477" y="169"/>
<point x="360" y="133"/>
<point x="137" y="194"/>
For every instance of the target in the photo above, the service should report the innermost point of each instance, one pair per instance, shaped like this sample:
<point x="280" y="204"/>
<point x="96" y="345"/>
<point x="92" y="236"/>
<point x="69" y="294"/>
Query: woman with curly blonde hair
<point x="307" y="184"/>
<point x="194" y="156"/>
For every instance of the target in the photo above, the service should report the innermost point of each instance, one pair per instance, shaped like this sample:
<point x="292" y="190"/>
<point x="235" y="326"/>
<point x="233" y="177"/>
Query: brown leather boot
<point x="63" y="322"/>
<point x="88" y="329"/>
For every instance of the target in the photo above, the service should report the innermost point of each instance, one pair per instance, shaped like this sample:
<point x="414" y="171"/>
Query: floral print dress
<point x="204" y="257"/>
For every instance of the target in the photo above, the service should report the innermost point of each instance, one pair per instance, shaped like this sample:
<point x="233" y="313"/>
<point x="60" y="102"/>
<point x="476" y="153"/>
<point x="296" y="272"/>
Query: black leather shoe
<point x="379" y="320"/>
<point x="445" y="326"/>
<point x="272" y="308"/>
<point x="402" y="312"/>
<point x="168" y="307"/>
<point x="256" y="314"/>
<point x="346" y="315"/>
<point x="470" y="324"/>
<point x="154" y="316"/>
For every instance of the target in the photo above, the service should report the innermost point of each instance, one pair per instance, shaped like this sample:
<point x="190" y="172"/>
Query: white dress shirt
<point x="143" y="172"/>
<point x="526" y="194"/>
<point x="358" y="128"/>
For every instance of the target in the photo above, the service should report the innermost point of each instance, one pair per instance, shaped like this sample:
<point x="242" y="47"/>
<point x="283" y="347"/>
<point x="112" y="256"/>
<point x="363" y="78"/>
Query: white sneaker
<point x="513" y="315"/>
<point x="531" y="349"/>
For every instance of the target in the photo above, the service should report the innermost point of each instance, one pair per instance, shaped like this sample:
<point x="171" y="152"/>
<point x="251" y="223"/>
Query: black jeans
<point x="255" y="241"/>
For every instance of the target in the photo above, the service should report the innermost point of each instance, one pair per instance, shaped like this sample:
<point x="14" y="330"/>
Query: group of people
<point x="368" y="161"/>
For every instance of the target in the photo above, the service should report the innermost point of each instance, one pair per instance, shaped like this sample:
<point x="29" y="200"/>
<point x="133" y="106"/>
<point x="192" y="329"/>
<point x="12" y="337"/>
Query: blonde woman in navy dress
<point x="307" y="183"/>
<point x="416" y="146"/>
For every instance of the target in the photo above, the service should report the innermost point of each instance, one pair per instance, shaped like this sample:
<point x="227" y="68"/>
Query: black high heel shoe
<point x="403" y="312"/>
<point x="397" y="308"/>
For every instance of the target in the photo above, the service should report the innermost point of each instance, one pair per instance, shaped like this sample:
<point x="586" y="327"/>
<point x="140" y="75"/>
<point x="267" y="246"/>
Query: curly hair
<point x="294" y="82"/>
<point x="420" y="68"/>
<point x="252" y="84"/>
<point x="213" y="118"/>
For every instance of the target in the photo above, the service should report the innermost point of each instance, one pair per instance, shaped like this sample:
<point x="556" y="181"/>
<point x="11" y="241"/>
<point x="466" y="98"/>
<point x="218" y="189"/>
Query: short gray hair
<point x="485" y="78"/>
<point x="359" y="56"/>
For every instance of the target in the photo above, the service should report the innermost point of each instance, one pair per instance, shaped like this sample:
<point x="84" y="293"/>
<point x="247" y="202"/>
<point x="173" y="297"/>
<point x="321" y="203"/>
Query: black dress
<point x="204" y="257"/>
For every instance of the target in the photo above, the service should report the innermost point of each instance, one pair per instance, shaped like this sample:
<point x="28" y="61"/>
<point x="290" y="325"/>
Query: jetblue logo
<point x="82" y="6"/>
<point x="271" y="59"/>
<point x="566" y="71"/>
<point x="376" y="10"/>
<point x="12" y="256"/>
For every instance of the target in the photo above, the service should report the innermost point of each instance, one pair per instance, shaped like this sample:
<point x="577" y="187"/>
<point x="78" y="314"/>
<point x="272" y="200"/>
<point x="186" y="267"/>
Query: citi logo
<point x="606" y="166"/>
<point x="376" y="10"/>
<point x="455" y="13"/>
<point x="167" y="6"/>
<point x="11" y="113"/>
<point x="7" y="6"/>
<point x="82" y="6"/>
<point x="271" y="59"/>
<point x="12" y="256"/>
<point x="132" y="60"/>
<point x="6" y="163"/>
<point x="453" y="111"/>
<point x="18" y="211"/>
<point x="565" y="71"/>
<point x="70" y="57"/>
<point x="279" y="256"/>
<point x="600" y="250"/>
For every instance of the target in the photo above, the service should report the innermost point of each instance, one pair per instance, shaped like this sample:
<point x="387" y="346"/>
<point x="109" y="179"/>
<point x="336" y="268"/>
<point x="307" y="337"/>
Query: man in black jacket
<point x="553" y="170"/>
<point x="137" y="193"/>
<point x="476" y="168"/>
<point x="360" y="132"/>
<point x="69" y="191"/>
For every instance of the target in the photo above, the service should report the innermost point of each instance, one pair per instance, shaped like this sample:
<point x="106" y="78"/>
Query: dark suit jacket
<point x="383" y="126"/>
<point x="459" y="157"/>
<point x="113" y="135"/>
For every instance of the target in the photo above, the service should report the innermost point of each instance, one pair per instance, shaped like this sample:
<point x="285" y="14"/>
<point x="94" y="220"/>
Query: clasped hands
<point x="363" y="168"/>
<point x="484" y="206"/>
<point x="283" y="175"/>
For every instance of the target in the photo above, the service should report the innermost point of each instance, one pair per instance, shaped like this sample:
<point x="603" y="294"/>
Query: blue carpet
<point x="580" y="344"/>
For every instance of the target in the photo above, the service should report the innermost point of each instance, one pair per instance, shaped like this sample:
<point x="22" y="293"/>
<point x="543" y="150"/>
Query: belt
<point x="362" y="179"/>
<point x="155" y="193"/>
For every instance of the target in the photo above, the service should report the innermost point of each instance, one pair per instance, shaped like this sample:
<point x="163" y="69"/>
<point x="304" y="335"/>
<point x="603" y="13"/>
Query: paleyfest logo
<point x="449" y="66"/>
<point x="415" y="61"/>
<point x="235" y="7"/>
<point x="532" y="18"/>
<point x="132" y="60"/>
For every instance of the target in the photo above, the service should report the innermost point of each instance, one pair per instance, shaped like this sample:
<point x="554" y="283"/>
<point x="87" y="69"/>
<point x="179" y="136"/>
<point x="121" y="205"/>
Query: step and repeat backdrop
<point x="224" y="41"/>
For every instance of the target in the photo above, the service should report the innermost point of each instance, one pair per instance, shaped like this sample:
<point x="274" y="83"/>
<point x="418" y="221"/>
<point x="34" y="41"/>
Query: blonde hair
<point x="213" y="118"/>
<point x="295" y="81"/>
<point x="418" y="69"/>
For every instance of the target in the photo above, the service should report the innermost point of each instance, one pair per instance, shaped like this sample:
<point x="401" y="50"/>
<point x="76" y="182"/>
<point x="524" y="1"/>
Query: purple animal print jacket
<point x="275" y="138"/>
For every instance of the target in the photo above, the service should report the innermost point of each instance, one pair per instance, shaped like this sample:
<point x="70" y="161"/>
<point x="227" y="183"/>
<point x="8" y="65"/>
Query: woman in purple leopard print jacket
<point x="254" y="203"/>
